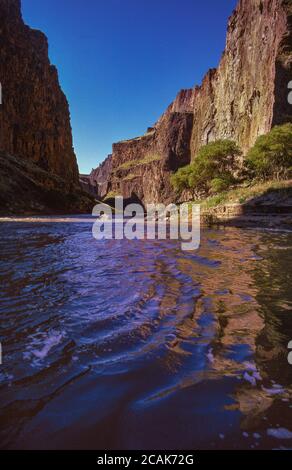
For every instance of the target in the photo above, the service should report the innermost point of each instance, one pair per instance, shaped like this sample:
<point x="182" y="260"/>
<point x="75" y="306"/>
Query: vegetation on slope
<point x="212" y="170"/>
<point x="219" y="173"/>
<point x="150" y="158"/>
<point x="268" y="192"/>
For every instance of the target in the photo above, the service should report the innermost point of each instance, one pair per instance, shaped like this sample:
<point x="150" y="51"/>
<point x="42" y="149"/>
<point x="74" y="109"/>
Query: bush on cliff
<point x="180" y="179"/>
<point x="217" y="185"/>
<point x="212" y="170"/>
<point x="271" y="156"/>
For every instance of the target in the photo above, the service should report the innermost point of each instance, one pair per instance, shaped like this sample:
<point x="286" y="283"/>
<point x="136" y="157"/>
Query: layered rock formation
<point x="34" y="114"/>
<point x="240" y="100"/>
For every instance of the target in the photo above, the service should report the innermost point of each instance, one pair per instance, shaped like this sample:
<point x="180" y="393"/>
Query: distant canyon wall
<point x="240" y="100"/>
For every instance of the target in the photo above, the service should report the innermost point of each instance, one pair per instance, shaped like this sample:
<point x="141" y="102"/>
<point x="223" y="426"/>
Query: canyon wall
<point x="240" y="100"/>
<point x="34" y="116"/>
<point x="247" y="94"/>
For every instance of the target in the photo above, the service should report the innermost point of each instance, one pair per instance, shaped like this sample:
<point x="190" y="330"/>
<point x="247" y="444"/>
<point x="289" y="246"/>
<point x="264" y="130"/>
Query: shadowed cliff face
<point x="34" y="115"/>
<point x="38" y="167"/>
<point x="240" y="100"/>
<point x="283" y="70"/>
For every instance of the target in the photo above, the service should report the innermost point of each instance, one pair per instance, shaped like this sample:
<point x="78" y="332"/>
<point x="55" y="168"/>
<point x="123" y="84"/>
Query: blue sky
<point x="121" y="62"/>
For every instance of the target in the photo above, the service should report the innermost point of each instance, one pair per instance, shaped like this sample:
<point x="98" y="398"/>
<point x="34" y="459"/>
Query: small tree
<point x="218" y="185"/>
<point x="271" y="156"/>
<point x="180" y="179"/>
<point x="215" y="161"/>
<point x="220" y="155"/>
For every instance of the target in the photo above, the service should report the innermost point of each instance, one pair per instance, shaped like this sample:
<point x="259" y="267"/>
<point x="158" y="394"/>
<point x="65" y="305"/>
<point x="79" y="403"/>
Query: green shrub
<point x="218" y="185"/>
<point x="212" y="169"/>
<point x="180" y="179"/>
<point x="271" y="156"/>
<point x="221" y="152"/>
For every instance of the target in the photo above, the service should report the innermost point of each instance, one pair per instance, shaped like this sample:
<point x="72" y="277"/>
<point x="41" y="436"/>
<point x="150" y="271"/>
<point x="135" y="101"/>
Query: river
<point x="123" y="344"/>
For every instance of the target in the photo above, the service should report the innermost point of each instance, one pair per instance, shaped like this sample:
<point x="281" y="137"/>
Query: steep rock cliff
<point x="247" y="94"/>
<point x="240" y="100"/>
<point x="34" y="114"/>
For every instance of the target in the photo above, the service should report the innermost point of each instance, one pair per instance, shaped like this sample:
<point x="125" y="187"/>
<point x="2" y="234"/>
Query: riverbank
<point x="239" y="215"/>
<point x="266" y="204"/>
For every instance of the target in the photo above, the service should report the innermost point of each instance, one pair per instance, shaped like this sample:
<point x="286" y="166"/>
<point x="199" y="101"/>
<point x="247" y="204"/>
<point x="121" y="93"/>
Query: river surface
<point x="139" y="345"/>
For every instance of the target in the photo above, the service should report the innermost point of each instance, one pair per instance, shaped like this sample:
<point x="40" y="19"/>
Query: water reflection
<point x="137" y="344"/>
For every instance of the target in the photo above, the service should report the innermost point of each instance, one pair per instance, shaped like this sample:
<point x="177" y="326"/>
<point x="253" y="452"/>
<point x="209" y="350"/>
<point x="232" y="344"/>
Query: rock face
<point x="240" y="100"/>
<point x="100" y="176"/>
<point x="97" y="183"/>
<point x="140" y="168"/>
<point x="27" y="189"/>
<point x="34" y="114"/>
<point x="247" y="94"/>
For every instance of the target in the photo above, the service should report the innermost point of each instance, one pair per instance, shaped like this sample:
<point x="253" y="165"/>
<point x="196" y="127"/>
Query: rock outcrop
<point x="240" y="100"/>
<point x="34" y="114"/>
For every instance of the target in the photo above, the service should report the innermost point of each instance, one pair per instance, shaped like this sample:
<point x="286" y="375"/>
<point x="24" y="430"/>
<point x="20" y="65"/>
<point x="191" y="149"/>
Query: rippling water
<point x="139" y="345"/>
